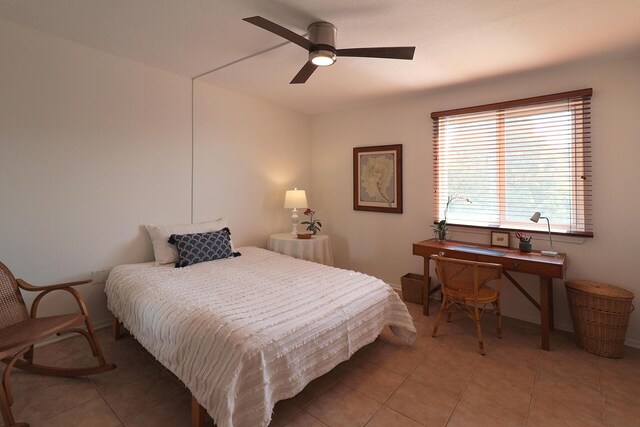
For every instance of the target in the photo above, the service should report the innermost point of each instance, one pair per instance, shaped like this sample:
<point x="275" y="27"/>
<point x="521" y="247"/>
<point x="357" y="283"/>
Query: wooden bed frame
<point x="199" y="414"/>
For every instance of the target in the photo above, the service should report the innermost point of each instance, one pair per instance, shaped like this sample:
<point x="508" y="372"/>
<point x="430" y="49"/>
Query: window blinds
<point x="497" y="164"/>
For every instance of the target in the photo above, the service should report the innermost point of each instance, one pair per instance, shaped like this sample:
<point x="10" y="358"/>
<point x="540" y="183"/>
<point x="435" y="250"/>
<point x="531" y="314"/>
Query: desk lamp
<point x="295" y="199"/>
<point x="535" y="218"/>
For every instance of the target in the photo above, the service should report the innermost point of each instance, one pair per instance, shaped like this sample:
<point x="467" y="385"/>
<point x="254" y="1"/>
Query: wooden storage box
<point x="412" y="284"/>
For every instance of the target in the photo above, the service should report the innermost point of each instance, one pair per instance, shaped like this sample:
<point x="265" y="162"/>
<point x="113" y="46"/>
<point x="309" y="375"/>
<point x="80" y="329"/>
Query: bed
<point x="245" y="332"/>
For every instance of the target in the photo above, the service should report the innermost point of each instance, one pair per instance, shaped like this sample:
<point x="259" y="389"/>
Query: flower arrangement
<point x="440" y="229"/>
<point x="313" y="225"/>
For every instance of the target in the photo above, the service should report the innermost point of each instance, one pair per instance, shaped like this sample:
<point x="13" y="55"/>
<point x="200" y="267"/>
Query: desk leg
<point x="546" y="307"/>
<point x="426" y="287"/>
<point x="552" y="316"/>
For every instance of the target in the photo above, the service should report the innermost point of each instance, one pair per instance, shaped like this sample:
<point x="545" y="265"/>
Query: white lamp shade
<point x="536" y="217"/>
<point x="294" y="199"/>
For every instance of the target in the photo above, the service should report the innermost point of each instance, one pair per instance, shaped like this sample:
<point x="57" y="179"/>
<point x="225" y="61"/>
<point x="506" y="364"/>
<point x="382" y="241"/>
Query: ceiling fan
<point x="321" y="45"/>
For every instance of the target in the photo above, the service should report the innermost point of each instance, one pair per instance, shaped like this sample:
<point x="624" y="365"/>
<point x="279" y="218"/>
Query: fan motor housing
<point x="323" y="33"/>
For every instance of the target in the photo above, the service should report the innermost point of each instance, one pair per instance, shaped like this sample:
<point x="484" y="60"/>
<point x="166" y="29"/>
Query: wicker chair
<point x="20" y="330"/>
<point x="464" y="284"/>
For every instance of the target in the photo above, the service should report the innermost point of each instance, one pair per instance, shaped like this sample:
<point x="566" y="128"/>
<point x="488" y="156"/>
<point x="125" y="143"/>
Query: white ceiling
<point x="457" y="40"/>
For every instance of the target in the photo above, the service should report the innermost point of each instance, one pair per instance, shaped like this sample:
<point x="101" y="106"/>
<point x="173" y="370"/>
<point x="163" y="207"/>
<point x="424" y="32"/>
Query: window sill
<point x="498" y="228"/>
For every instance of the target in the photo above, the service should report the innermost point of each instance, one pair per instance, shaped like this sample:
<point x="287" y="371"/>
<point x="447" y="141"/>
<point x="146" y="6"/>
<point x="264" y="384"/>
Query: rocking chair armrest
<point x="48" y="289"/>
<point x="44" y="290"/>
<point x="31" y="288"/>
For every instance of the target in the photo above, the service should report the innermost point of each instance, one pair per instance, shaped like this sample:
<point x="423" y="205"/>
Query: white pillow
<point x="166" y="253"/>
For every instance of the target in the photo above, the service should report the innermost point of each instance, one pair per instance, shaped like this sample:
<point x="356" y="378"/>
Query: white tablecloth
<point x="316" y="249"/>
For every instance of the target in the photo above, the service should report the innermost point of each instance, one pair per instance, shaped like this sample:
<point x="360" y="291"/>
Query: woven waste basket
<point x="600" y="315"/>
<point x="412" y="287"/>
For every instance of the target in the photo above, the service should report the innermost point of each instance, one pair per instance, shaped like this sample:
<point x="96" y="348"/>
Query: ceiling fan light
<point x="322" y="58"/>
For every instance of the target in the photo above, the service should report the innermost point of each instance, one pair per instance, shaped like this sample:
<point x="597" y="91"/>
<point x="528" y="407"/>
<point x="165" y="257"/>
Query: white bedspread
<point x="246" y="332"/>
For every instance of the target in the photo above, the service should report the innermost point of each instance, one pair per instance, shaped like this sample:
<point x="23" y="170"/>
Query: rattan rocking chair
<point x="20" y="330"/>
<point x="464" y="284"/>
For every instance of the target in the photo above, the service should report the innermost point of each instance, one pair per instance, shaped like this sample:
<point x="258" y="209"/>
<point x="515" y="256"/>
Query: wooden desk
<point x="546" y="268"/>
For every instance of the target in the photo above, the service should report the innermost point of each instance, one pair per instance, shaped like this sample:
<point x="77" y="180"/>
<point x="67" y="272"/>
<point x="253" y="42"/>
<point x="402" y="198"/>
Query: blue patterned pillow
<point x="201" y="247"/>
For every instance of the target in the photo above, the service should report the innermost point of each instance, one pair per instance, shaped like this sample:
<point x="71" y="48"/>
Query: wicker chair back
<point x="12" y="307"/>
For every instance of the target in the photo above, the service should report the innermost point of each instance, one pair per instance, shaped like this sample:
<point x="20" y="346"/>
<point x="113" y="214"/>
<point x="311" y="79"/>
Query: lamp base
<point x="294" y="221"/>
<point x="549" y="253"/>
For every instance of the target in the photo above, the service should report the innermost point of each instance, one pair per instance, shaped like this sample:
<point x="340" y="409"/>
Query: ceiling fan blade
<point x="279" y="30"/>
<point x="304" y="73"/>
<point x="379" y="52"/>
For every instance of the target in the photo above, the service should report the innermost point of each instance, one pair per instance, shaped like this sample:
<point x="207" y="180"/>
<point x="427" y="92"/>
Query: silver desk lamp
<point x="535" y="218"/>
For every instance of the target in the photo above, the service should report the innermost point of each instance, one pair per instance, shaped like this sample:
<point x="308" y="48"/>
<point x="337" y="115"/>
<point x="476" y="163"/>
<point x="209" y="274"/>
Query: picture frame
<point x="500" y="238"/>
<point x="377" y="178"/>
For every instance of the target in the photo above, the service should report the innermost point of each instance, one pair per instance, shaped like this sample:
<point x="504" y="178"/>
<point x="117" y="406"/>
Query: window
<point x="500" y="163"/>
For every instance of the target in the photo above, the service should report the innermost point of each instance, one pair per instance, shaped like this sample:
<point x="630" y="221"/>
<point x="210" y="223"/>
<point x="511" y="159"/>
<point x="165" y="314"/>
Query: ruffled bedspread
<point x="246" y="332"/>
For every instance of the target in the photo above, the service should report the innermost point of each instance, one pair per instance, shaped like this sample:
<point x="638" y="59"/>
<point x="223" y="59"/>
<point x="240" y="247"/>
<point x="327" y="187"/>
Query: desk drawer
<point x="523" y="266"/>
<point x="468" y="256"/>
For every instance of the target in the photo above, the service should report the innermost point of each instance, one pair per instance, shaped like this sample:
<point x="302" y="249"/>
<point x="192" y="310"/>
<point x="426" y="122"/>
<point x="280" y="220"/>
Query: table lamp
<point x="295" y="199"/>
<point x="535" y="218"/>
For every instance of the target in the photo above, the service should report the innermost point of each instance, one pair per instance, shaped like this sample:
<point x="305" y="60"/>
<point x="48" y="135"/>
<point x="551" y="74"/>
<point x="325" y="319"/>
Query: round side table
<point x="316" y="249"/>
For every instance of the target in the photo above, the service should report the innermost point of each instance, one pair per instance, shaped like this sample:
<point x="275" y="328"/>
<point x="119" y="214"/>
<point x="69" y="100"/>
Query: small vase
<point x="525" y="247"/>
<point x="440" y="235"/>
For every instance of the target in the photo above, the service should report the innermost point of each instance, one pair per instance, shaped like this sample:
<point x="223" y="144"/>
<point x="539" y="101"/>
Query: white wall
<point x="380" y="244"/>
<point x="92" y="147"/>
<point x="247" y="153"/>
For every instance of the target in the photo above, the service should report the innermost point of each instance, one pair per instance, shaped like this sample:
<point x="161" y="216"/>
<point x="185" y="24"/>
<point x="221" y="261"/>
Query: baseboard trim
<point x="631" y="342"/>
<point x="396" y="287"/>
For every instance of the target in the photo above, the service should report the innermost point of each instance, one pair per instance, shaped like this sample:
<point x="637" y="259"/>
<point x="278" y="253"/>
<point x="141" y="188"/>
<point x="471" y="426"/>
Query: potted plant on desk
<point x="440" y="230"/>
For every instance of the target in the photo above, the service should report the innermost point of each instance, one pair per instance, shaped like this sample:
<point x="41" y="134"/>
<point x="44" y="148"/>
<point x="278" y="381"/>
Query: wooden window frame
<point x="578" y="186"/>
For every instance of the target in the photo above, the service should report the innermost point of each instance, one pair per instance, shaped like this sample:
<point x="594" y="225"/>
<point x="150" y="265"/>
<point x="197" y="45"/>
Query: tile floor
<point x="437" y="382"/>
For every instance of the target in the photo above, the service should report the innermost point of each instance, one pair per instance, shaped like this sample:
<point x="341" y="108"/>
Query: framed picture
<point x="499" y="238"/>
<point x="377" y="178"/>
